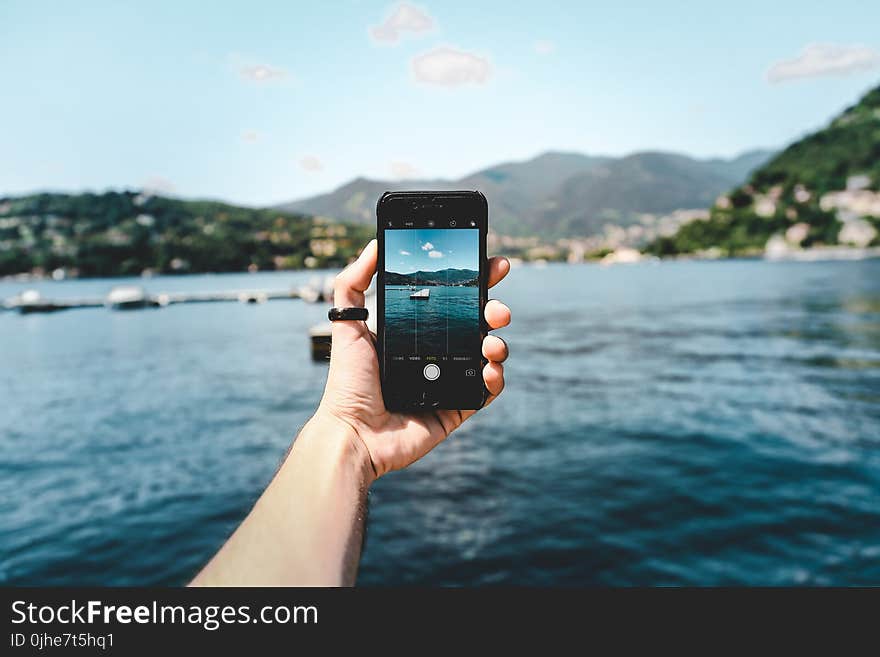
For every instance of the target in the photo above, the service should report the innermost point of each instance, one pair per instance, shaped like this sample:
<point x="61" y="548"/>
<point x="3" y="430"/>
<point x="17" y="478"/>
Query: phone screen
<point x="432" y="340"/>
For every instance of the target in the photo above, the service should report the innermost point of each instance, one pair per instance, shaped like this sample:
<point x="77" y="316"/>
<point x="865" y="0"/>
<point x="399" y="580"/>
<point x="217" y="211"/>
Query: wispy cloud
<point x="262" y="73"/>
<point x="405" y="18"/>
<point x="311" y="163"/>
<point x="427" y="246"/>
<point x="449" y="67"/>
<point x="403" y="170"/>
<point x="435" y="254"/>
<point x="255" y="70"/>
<point x="402" y="252"/>
<point x="250" y="136"/>
<point x="544" y="47"/>
<point x="823" y="60"/>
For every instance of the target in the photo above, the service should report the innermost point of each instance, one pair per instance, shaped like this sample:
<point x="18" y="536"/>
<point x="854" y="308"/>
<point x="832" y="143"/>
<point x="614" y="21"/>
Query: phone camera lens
<point x="452" y="223"/>
<point x="390" y="224"/>
<point x="473" y="223"/>
<point x="430" y="223"/>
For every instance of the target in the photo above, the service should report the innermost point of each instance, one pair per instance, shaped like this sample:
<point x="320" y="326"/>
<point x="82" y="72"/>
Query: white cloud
<point x="402" y="252"/>
<point x="544" y="47"/>
<point x="250" y="136"/>
<point x="427" y="246"/>
<point x="262" y="73"/>
<point x="311" y="163"/>
<point x="825" y="59"/>
<point x="405" y="18"/>
<point x="435" y="254"/>
<point x="403" y="170"/>
<point x="158" y="185"/>
<point x="450" y="67"/>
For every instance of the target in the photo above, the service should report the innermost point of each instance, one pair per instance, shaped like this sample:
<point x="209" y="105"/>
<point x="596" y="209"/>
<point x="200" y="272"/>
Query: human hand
<point x="353" y="394"/>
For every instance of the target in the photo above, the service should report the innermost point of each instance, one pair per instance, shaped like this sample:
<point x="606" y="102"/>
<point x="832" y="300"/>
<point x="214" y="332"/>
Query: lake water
<point x="447" y="322"/>
<point x="675" y="423"/>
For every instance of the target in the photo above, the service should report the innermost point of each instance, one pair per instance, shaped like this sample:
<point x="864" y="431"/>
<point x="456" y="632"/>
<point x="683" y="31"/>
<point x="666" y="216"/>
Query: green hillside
<point x="789" y="190"/>
<point x="125" y="233"/>
<point x="823" y="161"/>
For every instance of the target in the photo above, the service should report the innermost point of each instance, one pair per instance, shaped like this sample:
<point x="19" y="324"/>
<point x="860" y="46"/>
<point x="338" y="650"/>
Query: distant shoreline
<point x="815" y="254"/>
<point x="399" y="286"/>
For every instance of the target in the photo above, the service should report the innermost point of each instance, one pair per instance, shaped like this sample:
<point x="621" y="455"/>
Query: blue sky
<point x="431" y="249"/>
<point x="262" y="102"/>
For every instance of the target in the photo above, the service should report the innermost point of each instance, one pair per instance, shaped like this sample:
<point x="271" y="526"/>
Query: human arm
<point x="307" y="527"/>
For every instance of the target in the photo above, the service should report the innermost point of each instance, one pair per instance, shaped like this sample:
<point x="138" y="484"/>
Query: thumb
<point x="352" y="282"/>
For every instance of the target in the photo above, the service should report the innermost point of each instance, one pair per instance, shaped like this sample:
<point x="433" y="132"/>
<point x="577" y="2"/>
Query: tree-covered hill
<point x="824" y="160"/>
<point x="823" y="189"/>
<point x="125" y="233"/>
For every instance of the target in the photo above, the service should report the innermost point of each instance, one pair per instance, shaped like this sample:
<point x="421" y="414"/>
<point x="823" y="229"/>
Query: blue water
<point x="447" y="322"/>
<point x="678" y="423"/>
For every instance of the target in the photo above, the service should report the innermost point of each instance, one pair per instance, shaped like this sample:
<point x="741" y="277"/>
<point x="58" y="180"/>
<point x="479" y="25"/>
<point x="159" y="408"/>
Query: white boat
<point x="421" y="294"/>
<point x="128" y="297"/>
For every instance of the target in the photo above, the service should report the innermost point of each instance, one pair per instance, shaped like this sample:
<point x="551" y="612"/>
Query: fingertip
<point x="368" y="254"/>
<point x="499" y="267"/>
<point x="352" y="281"/>
<point x="497" y="314"/>
<point x="493" y="377"/>
<point x="495" y="349"/>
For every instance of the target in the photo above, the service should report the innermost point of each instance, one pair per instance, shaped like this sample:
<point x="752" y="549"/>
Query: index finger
<point x="499" y="267"/>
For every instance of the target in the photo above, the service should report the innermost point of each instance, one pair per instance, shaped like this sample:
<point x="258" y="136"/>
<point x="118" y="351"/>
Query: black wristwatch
<point x="342" y="314"/>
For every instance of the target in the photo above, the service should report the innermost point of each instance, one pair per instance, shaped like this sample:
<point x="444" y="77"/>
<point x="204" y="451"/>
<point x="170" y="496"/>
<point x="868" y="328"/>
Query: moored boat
<point x="128" y="297"/>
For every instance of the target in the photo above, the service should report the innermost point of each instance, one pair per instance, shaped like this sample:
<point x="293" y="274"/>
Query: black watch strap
<point x="343" y="314"/>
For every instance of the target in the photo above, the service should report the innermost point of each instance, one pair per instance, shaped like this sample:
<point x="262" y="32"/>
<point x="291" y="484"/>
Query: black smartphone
<point x="430" y="296"/>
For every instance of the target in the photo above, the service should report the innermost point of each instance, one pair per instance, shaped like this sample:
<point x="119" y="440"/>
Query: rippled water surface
<point x="680" y="423"/>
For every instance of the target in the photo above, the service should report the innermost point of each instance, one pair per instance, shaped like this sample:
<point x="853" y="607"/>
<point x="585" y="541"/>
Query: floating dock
<point x="135" y="298"/>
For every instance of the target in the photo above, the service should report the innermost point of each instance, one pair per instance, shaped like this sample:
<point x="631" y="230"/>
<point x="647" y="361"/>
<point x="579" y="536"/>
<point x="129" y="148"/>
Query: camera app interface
<point x="432" y="306"/>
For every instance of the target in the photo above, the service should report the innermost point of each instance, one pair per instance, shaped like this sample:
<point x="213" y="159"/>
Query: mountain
<point x="442" y="277"/>
<point x="126" y="233"/>
<point x="559" y="194"/>
<point x="823" y="189"/>
<point x="619" y="190"/>
<point x="516" y="190"/>
<point x="511" y="187"/>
